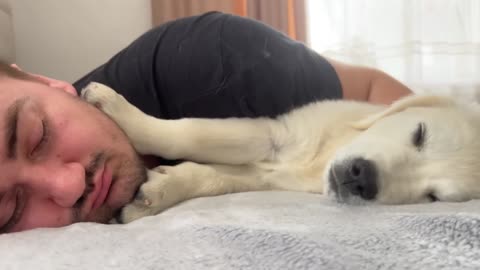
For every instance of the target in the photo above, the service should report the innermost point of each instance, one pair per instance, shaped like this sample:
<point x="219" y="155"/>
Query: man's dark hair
<point x="8" y="71"/>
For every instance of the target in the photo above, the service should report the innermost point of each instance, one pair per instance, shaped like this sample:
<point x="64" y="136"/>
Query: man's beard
<point x="133" y="174"/>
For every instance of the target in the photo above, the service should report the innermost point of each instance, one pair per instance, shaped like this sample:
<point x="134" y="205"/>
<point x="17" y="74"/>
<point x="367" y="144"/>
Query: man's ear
<point x="404" y="103"/>
<point x="16" y="67"/>
<point x="62" y="85"/>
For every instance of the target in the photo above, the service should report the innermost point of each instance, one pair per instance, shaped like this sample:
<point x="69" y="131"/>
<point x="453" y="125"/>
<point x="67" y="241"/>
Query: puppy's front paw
<point x="161" y="191"/>
<point x="106" y="99"/>
<point x="127" y="116"/>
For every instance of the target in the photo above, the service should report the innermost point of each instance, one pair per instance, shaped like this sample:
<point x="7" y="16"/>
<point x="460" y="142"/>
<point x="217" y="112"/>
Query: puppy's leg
<point x="226" y="141"/>
<point x="169" y="185"/>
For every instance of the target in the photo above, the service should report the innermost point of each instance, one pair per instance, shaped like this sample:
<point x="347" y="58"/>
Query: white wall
<point x="66" y="39"/>
<point x="7" y="50"/>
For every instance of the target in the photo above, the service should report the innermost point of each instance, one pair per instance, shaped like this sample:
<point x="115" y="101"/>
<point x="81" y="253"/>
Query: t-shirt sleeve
<point x="217" y="65"/>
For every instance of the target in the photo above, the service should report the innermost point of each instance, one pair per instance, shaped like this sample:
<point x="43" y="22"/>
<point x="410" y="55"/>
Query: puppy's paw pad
<point x="133" y="212"/>
<point x="159" y="193"/>
<point x="96" y="92"/>
<point x="102" y="97"/>
<point x="148" y="195"/>
<point x="162" y="169"/>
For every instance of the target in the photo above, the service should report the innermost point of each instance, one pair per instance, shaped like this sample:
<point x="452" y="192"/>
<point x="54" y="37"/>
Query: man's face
<point x="61" y="159"/>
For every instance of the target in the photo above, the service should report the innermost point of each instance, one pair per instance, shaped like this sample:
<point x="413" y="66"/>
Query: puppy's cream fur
<point x="295" y="151"/>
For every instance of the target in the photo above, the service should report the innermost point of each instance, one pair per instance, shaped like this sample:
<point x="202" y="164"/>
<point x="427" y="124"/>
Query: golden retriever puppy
<point x="419" y="149"/>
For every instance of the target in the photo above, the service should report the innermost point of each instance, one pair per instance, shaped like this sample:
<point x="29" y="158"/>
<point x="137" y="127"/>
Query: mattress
<point x="262" y="230"/>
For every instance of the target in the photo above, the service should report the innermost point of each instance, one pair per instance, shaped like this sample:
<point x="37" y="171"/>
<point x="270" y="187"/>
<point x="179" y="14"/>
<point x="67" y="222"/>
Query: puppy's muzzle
<point x="354" y="177"/>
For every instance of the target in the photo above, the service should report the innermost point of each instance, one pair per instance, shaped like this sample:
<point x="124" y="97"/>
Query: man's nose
<point x="64" y="184"/>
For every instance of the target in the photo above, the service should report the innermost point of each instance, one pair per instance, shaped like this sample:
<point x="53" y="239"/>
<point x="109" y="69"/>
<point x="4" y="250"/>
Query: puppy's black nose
<point x="359" y="177"/>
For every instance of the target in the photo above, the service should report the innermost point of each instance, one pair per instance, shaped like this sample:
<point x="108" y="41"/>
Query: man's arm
<point x="368" y="84"/>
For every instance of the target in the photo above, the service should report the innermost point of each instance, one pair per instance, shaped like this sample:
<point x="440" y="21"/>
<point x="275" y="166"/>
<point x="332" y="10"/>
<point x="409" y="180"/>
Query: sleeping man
<point x="64" y="161"/>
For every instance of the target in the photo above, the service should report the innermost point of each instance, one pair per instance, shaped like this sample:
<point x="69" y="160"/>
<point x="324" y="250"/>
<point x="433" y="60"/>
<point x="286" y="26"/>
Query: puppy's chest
<point x="302" y="172"/>
<point x="303" y="158"/>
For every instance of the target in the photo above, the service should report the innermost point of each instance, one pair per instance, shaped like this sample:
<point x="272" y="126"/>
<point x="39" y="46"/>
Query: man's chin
<point x="128" y="175"/>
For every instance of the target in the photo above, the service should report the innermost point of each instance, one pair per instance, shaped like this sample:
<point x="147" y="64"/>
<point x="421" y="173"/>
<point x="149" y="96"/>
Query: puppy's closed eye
<point x="418" y="136"/>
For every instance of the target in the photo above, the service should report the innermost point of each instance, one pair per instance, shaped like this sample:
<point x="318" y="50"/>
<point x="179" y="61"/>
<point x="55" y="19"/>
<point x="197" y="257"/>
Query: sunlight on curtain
<point x="432" y="44"/>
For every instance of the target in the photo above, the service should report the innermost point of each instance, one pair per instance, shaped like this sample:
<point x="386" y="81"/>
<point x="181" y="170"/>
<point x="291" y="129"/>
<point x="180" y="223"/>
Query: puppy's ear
<point x="404" y="103"/>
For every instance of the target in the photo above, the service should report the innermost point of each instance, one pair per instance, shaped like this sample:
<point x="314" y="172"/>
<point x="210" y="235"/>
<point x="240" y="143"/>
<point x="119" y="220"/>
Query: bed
<point x="255" y="230"/>
<point x="262" y="230"/>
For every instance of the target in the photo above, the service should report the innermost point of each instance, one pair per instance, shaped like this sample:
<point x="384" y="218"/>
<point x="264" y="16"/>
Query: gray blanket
<point x="262" y="230"/>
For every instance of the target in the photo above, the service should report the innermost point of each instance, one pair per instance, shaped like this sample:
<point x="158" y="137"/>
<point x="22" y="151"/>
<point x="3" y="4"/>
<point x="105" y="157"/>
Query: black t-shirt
<point x="217" y="65"/>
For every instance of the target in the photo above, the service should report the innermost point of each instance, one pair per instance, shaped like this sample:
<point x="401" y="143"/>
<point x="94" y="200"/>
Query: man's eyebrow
<point x="11" y="119"/>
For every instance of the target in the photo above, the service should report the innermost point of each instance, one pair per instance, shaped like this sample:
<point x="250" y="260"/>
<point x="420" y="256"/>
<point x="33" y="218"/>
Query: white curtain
<point x="427" y="44"/>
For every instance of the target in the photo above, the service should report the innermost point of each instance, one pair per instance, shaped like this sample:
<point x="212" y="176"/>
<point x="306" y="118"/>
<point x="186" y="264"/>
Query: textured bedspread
<point x="262" y="230"/>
